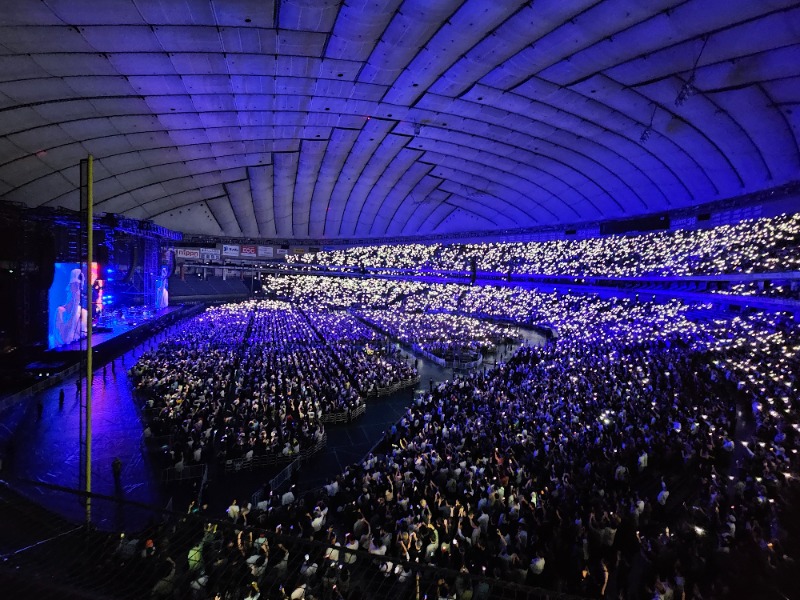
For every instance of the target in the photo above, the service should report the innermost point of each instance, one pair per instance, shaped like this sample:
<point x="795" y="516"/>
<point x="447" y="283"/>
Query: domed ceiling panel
<point x="330" y="120"/>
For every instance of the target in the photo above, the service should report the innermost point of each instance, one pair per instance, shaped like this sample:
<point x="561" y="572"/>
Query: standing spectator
<point x="234" y="511"/>
<point x="116" y="469"/>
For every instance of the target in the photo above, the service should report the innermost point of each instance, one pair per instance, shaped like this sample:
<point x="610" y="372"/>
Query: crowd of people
<point x="442" y="334"/>
<point x="316" y="291"/>
<point x="596" y="465"/>
<point x="788" y="290"/>
<point x="419" y="314"/>
<point x="434" y="298"/>
<point x="432" y="312"/>
<point x="256" y="379"/>
<point x="751" y="246"/>
<point x="649" y="452"/>
<point x="369" y="358"/>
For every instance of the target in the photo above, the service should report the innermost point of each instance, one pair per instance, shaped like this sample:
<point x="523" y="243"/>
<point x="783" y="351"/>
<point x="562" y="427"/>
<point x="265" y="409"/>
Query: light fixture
<point x="648" y="129"/>
<point x="688" y="89"/>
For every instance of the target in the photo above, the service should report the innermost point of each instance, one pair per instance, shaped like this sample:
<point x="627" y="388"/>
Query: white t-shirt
<point x="537" y="565"/>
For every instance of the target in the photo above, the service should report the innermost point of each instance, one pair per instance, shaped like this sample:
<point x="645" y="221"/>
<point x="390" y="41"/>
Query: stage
<point x="48" y="368"/>
<point x="122" y="325"/>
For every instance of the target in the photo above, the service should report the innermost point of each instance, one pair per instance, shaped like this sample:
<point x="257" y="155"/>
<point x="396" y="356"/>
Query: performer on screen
<point x="70" y="323"/>
<point x="162" y="289"/>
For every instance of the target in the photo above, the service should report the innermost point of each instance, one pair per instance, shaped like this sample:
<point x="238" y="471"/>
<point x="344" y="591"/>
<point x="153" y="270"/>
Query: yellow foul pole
<point x="89" y="258"/>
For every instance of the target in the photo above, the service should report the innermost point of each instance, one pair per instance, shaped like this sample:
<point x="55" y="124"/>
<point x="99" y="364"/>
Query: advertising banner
<point x="210" y="254"/>
<point x="282" y="251"/>
<point x="265" y="252"/>
<point x="193" y="253"/>
<point x="230" y="249"/>
<point x="298" y="251"/>
<point x="249" y="251"/>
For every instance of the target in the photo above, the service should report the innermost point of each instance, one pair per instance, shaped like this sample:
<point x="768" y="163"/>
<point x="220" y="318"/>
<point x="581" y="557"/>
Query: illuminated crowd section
<point x="258" y="378"/>
<point x="565" y="312"/>
<point x="443" y="335"/>
<point x="645" y="428"/>
<point x="646" y="425"/>
<point x="751" y="246"/>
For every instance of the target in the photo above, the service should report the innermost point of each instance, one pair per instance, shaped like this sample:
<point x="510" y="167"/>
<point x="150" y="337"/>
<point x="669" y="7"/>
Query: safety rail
<point x="343" y="416"/>
<point x="276" y="483"/>
<point x="235" y="465"/>
<point x="429" y="355"/>
<point x="467" y="365"/>
<point x="385" y="391"/>
<point x="182" y="473"/>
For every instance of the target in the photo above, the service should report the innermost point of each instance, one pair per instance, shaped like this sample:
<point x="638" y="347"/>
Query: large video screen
<point x="67" y="302"/>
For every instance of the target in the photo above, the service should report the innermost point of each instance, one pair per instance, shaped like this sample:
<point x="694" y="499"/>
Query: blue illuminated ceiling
<point x="319" y="118"/>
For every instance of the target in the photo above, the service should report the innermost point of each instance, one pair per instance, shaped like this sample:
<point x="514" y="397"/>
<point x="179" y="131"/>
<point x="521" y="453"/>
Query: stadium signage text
<point x="210" y="253"/>
<point x="230" y="250"/>
<point x="193" y="253"/>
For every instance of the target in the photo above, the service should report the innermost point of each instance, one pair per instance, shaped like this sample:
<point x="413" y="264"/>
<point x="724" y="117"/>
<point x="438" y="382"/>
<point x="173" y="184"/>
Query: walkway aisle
<point x="745" y="430"/>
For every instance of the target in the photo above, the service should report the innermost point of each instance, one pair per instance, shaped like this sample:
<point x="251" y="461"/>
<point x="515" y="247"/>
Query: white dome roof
<point x="324" y="119"/>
